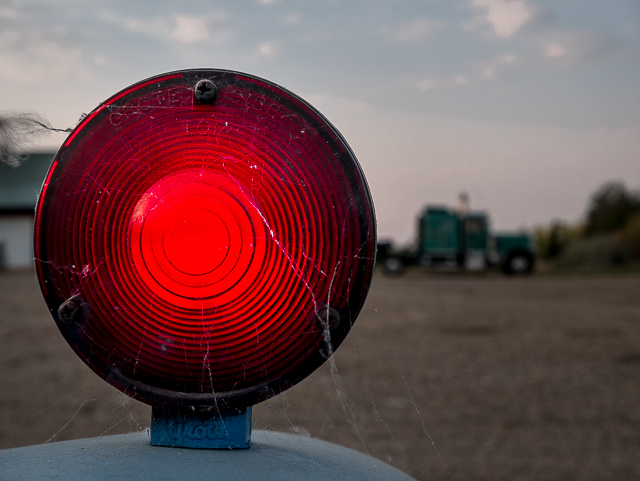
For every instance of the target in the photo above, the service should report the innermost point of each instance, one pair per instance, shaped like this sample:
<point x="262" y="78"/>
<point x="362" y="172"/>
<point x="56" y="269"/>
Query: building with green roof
<point x="19" y="189"/>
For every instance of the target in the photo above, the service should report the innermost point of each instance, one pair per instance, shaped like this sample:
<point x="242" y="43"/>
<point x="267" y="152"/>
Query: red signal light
<point x="204" y="244"/>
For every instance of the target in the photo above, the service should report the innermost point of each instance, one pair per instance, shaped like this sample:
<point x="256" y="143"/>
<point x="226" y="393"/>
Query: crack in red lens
<point x="204" y="239"/>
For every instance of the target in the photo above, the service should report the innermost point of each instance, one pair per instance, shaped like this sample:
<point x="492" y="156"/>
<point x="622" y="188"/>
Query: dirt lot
<point x="445" y="377"/>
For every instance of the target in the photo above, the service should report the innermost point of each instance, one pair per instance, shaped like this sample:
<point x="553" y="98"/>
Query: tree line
<point x="608" y="235"/>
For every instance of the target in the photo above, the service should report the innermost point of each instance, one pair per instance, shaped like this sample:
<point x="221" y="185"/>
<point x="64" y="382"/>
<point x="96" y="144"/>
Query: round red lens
<point x="195" y="251"/>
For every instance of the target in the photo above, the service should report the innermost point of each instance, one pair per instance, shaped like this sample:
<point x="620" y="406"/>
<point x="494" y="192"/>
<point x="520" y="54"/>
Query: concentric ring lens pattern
<point x="204" y="241"/>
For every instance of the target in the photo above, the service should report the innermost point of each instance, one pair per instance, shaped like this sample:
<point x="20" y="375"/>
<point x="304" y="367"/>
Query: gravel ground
<point x="443" y="376"/>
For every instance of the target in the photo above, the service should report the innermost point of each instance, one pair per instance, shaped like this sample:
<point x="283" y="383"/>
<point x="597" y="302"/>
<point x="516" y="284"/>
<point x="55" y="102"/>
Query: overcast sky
<point x="526" y="105"/>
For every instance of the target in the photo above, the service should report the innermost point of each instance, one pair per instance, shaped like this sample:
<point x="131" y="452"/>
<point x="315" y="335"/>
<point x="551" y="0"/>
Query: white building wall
<point x="16" y="237"/>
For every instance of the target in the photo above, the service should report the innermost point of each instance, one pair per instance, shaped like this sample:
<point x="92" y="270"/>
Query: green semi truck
<point x="456" y="239"/>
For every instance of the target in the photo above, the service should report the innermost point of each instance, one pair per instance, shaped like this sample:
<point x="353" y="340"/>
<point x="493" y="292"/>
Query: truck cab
<point x="457" y="239"/>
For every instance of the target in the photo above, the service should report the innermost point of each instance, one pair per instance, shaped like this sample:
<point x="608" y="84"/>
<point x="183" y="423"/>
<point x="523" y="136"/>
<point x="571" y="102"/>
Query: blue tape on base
<point x="226" y="430"/>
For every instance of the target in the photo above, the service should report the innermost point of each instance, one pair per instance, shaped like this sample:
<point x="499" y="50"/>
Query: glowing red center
<point x="188" y="233"/>
<point x="194" y="239"/>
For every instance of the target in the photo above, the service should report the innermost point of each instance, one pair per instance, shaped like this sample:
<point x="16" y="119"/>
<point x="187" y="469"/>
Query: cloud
<point x="158" y="27"/>
<point x="418" y="30"/>
<point x="415" y="31"/>
<point x="269" y="50"/>
<point x="265" y="51"/>
<point x="213" y="28"/>
<point x="6" y="12"/>
<point x="569" y="48"/>
<point x="496" y="66"/>
<point x="32" y="59"/>
<point x="552" y="50"/>
<point x="556" y="50"/>
<point x="190" y="30"/>
<point x="425" y="84"/>
<point x="485" y="70"/>
<point x="292" y="18"/>
<point x="506" y="17"/>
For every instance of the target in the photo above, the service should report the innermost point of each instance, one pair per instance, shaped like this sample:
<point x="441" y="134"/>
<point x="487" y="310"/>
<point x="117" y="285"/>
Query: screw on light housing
<point x="329" y="318"/>
<point x="205" y="91"/>
<point x="71" y="310"/>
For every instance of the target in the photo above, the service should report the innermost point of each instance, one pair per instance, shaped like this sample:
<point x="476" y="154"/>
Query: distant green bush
<point x="631" y="235"/>
<point x="553" y="239"/>
<point x="596" y="252"/>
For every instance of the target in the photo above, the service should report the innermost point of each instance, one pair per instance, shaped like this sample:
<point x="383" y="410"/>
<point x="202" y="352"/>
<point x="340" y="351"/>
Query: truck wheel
<point x="518" y="262"/>
<point x="393" y="266"/>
